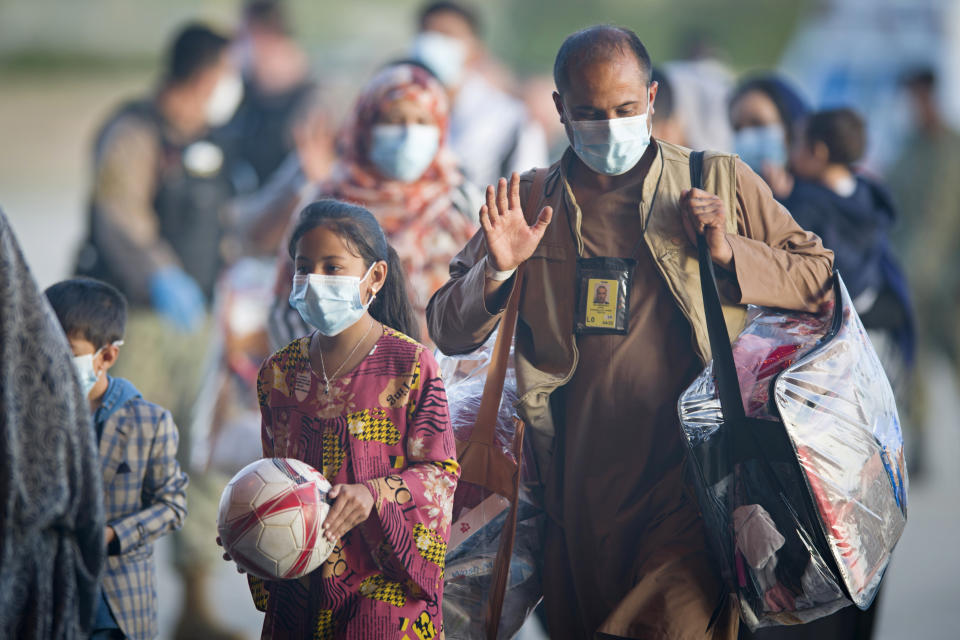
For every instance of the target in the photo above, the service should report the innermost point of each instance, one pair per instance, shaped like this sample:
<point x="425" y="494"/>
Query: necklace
<point x="323" y="367"/>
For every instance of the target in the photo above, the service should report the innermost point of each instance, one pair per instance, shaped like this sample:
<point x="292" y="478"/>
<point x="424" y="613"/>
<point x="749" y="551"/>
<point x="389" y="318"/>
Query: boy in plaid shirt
<point x="144" y="487"/>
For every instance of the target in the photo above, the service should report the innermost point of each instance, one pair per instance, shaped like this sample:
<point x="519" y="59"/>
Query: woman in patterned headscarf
<point x="394" y="161"/>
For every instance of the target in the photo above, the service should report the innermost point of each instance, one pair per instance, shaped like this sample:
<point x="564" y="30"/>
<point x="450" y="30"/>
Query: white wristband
<point x="493" y="274"/>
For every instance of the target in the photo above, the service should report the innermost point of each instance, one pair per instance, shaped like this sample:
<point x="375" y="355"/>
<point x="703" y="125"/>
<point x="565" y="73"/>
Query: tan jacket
<point x="776" y="264"/>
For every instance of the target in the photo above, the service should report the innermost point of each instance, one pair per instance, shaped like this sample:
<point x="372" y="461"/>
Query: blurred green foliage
<point x="105" y="35"/>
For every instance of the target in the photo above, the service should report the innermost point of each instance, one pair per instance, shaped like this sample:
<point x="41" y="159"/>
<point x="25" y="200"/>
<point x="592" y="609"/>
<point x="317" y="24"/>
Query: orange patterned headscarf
<point x="356" y="179"/>
<point x="419" y="218"/>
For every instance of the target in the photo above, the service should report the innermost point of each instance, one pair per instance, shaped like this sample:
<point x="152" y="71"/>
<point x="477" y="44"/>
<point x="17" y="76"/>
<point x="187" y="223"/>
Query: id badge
<point x="603" y="295"/>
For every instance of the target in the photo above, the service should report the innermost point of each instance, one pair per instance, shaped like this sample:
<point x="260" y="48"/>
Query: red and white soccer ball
<point x="271" y="517"/>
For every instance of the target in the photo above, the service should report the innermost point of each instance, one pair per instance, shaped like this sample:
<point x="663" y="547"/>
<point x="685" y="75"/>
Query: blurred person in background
<point x="701" y="84"/>
<point x="625" y="553"/>
<point x="764" y="111"/>
<point x="396" y="162"/>
<point x="925" y="181"/>
<point x="52" y="527"/>
<point x="276" y="87"/>
<point x="491" y="131"/>
<point x="156" y="232"/>
<point x="853" y="215"/>
<point x="668" y="124"/>
<point x="535" y="92"/>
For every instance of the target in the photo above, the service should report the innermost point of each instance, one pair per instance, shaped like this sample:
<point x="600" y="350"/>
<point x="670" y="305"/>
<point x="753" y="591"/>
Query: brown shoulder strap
<point x="486" y="424"/>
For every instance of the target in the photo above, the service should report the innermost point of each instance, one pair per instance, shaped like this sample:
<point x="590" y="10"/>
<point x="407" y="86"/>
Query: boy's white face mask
<point x="86" y="371"/>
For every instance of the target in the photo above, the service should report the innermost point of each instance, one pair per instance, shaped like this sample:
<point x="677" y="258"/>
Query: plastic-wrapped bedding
<point x="805" y="500"/>
<point x="479" y="514"/>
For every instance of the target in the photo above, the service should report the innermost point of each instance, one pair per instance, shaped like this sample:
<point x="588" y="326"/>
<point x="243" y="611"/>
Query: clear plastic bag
<point x="479" y="514"/>
<point x="805" y="500"/>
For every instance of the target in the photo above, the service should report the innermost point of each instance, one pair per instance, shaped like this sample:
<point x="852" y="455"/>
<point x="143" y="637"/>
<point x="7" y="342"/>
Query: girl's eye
<point x="302" y="270"/>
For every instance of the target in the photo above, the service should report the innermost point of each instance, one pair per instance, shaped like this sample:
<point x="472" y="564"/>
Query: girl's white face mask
<point x="329" y="303"/>
<point x="611" y="147"/>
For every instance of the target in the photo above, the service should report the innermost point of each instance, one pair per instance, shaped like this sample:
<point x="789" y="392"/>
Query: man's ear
<point x="558" y="103"/>
<point x="652" y="92"/>
<point x="109" y="355"/>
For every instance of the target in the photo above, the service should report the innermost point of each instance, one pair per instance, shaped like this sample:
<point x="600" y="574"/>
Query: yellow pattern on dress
<point x="333" y="454"/>
<point x="430" y="544"/>
<point x="377" y="587"/>
<point x="325" y="626"/>
<point x="373" y="425"/>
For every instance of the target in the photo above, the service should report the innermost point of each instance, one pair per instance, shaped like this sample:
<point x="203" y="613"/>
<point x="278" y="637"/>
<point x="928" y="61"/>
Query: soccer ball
<point x="271" y="517"/>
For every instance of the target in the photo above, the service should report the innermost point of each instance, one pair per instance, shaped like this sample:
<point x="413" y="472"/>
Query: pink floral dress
<point x="385" y="425"/>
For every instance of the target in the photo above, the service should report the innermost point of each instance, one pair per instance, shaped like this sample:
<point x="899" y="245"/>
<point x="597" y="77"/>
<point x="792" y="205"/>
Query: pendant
<point x="326" y="384"/>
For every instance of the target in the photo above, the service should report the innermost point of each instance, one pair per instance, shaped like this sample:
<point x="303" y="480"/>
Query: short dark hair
<point x="89" y="309"/>
<point x="597" y="43"/>
<point x="663" y="107"/>
<point x="924" y="78"/>
<point x="267" y="14"/>
<point x="445" y="6"/>
<point x="841" y="130"/>
<point x="195" y="48"/>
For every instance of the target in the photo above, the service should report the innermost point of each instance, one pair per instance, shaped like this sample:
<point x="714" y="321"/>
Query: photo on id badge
<point x="602" y="303"/>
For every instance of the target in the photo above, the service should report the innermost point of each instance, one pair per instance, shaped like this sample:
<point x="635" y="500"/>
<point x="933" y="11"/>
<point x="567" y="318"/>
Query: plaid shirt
<point x="144" y="498"/>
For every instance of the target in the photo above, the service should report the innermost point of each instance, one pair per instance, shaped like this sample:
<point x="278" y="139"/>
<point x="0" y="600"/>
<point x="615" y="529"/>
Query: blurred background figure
<point x="764" y="111"/>
<point x="491" y="131"/>
<point x="52" y="548"/>
<point x="668" y="124"/>
<point x="160" y="189"/>
<point x="853" y="215"/>
<point x="701" y="84"/>
<point x="924" y="179"/>
<point x="536" y="91"/>
<point x="395" y="161"/>
<point x="276" y="85"/>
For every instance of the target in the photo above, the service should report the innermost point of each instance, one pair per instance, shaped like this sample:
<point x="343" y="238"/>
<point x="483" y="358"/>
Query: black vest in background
<point x="189" y="204"/>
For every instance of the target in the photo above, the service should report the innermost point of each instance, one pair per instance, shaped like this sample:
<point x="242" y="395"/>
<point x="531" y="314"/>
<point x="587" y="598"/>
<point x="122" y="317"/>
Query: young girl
<point x="364" y="404"/>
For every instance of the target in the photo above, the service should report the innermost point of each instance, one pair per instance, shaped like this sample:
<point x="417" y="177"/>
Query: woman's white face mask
<point x="403" y="152"/>
<point x="329" y="303"/>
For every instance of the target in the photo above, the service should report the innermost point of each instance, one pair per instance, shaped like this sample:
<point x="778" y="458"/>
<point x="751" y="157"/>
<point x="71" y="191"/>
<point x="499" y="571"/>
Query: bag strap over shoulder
<point x="484" y="431"/>
<point x="724" y="368"/>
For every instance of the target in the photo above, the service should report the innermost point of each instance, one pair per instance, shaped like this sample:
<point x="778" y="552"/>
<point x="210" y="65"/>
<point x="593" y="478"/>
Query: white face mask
<point x="329" y="303"/>
<point x="758" y="146"/>
<point x="85" y="370"/>
<point x="611" y="147"/>
<point x="442" y="54"/>
<point x="226" y="97"/>
<point x="403" y="152"/>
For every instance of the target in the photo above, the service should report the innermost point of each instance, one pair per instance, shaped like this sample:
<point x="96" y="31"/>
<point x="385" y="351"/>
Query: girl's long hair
<point x="362" y="233"/>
